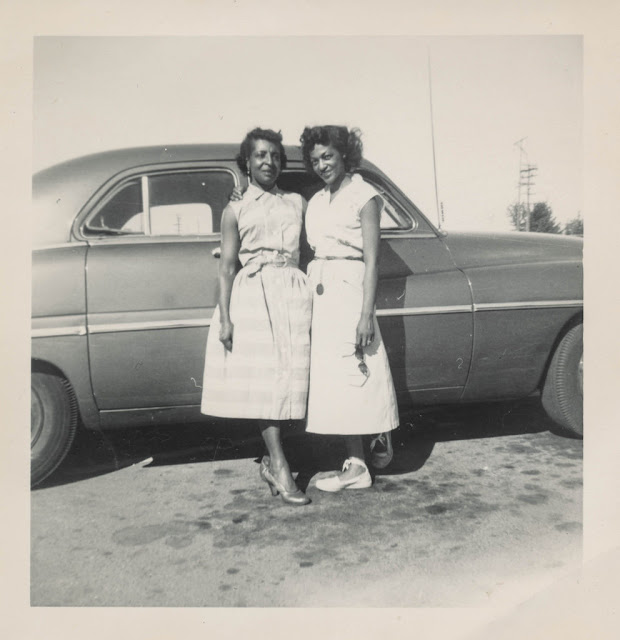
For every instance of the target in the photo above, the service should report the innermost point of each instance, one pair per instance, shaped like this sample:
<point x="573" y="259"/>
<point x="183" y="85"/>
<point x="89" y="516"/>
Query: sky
<point x="488" y="92"/>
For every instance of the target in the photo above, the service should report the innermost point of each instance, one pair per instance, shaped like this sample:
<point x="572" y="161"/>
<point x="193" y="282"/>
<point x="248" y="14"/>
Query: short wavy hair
<point x="245" y="149"/>
<point x="348" y="142"/>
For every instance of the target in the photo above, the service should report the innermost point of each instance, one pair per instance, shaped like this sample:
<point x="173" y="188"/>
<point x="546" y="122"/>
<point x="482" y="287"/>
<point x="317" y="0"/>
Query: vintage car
<point x="125" y="259"/>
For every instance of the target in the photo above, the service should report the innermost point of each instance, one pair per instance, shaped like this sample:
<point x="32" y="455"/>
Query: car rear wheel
<point x="562" y="395"/>
<point x="53" y="422"/>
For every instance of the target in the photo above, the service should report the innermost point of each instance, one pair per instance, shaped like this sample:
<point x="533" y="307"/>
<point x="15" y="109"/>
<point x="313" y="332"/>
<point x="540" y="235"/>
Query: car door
<point x="424" y="304"/>
<point x="152" y="285"/>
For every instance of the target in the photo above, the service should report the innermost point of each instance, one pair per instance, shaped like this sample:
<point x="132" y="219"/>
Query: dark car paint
<point x="158" y="282"/>
<point x="448" y="344"/>
<point x="509" y="267"/>
<point x="59" y="304"/>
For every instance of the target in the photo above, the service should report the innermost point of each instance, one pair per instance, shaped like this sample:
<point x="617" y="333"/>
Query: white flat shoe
<point x="335" y="483"/>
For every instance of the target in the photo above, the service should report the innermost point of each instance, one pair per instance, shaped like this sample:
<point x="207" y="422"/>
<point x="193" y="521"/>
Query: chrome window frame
<point x="107" y="191"/>
<point x="398" y="210"/>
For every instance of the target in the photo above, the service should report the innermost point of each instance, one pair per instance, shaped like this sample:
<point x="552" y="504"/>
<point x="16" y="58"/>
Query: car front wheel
<point x="562" y="395"/>
<point x="53" y="422"/>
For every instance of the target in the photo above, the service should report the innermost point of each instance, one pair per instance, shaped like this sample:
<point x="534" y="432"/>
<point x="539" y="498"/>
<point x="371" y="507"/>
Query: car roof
<point x="115" y="160"/>
<point x="60" y="191"/>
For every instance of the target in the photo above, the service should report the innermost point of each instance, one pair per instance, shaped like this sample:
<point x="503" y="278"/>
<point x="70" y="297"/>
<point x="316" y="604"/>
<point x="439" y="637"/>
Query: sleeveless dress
<point x="265" y="376"/>
<point x="342" y="399"/>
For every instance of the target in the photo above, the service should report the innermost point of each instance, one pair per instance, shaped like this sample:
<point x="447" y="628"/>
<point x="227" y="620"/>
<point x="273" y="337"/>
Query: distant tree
<point x="541" y="218"/>
<point x="517" y="214"/>
<point x="574" y="227"/>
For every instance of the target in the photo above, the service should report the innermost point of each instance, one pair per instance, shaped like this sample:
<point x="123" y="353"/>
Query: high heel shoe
<point x="296" y="498"/>
<point x="264" y="464"/>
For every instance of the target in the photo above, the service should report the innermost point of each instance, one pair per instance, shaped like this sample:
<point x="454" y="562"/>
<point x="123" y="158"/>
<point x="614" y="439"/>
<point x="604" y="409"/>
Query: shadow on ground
<point x="95" y="453"/>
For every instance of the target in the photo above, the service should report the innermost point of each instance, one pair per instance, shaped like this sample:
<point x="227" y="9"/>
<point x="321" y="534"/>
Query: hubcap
<point x="36" y="417"/>
<point x="580" y="374"/>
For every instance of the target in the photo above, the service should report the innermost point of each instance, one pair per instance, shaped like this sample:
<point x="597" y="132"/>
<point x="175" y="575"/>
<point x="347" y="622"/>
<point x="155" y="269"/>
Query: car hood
<point x="470" y="250"/>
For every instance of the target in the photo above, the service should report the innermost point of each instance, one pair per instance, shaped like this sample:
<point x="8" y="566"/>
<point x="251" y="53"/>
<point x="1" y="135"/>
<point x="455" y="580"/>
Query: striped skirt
<point x="265" y="376"/>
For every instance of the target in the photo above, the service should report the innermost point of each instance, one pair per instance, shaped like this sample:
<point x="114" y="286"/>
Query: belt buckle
<point x="278" y="259"/>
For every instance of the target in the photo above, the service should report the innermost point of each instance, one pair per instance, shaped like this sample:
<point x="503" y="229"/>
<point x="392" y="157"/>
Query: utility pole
<point x="527" y="176"/>
<point x="522" y="152"/>
<point x="527" y="173"/>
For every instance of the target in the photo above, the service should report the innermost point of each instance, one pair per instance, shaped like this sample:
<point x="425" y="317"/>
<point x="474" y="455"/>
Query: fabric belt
<point x="273" y="258"/>
<point x="360" y="258"/>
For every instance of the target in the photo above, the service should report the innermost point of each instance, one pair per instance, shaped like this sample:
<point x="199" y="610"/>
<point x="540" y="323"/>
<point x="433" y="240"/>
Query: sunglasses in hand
<point x="361" y="365"/>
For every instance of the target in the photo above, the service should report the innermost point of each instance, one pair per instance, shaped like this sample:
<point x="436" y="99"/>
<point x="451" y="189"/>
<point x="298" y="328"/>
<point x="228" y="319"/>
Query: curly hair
<point x="348" y="143"/>
<point x="245" y="150"/>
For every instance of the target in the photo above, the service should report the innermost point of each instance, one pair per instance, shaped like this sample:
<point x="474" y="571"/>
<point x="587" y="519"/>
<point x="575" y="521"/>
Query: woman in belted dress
<point x="351" y="389"/>
<point x="258" y="348"/>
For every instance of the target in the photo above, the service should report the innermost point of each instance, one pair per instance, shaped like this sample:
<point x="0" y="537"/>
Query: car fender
<point x="59" y="342"/>
<point x="520" y="311"/>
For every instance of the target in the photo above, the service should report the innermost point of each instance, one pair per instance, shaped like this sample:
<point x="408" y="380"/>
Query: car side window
<point x="179" y="204"/>
<point x="123" y="205"/>
<point x="188" y="203"/>
<point x="392" y="219"/>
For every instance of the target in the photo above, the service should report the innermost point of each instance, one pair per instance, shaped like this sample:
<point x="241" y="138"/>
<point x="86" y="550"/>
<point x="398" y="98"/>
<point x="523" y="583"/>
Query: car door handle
<point x="216" y="253"/>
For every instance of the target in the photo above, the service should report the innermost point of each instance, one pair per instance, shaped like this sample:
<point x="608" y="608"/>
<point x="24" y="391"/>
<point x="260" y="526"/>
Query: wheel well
<point x="573" y="322"/>
<point x="42" y="366"/>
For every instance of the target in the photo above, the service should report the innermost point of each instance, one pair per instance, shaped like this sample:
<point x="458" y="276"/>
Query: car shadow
<point x="96" y="453"/>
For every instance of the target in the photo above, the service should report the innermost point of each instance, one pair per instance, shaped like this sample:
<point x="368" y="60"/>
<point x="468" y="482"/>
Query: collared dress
<point x="265" y="376"/>
<point x="343" y="400"/>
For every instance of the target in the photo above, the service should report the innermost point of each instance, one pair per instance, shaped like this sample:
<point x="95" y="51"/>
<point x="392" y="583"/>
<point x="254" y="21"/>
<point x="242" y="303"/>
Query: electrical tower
<point x="527" y="173"/>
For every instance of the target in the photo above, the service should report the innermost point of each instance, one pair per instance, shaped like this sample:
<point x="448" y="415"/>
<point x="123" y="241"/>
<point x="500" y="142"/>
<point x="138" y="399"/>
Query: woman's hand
<point x="365" y="332"/>
<point x="226" y="335"/>
<point x="237" y="194"/>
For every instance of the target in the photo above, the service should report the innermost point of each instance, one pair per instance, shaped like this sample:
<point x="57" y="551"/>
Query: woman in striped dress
<point x="351" y="389"/>
<point x="258" y="349"/>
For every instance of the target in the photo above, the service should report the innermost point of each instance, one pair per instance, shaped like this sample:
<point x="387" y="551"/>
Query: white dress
<point x="265" y="376"/>
<point x="342" y="399"/>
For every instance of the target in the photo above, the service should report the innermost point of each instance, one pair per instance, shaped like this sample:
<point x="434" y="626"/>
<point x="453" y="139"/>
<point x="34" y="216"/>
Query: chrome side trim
<point x="58" y="331"/>
<point x="490" y="306"/>
<point x="206" y="322"/>
<point x="172" y="407"/>
<point x="527" y="304"/>
<point x="420" y="311"/>
<point x="150" y="325"/>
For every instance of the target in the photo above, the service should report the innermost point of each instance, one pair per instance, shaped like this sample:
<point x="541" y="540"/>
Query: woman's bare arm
<point x="305" y="251"/>
<point x="370" y="217"/>
<point x="227" y="271"/>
